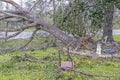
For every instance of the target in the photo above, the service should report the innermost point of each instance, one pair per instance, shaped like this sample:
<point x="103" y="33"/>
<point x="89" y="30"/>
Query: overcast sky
<point x="18" y="1"/>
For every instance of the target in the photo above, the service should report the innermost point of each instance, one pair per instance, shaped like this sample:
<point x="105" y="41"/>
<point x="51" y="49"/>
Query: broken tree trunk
<point x="38" y="23"/>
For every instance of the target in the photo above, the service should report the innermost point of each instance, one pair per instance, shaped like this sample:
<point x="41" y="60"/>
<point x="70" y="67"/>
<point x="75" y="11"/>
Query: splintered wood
<point x="85" y="42"/>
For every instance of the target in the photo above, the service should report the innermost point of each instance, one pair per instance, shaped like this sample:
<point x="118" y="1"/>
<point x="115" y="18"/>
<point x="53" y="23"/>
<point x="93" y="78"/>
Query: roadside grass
<point x="116" y="37"/>
<point x="47" y="66"/>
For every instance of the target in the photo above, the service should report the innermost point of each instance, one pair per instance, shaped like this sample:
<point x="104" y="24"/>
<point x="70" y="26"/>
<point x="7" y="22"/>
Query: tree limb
<point x="92" y="75"/>
<point x="18" y="29"/>
<point x="13" y="3"/>
<point x="12" y="50"/>
<point x="13" y="35"/>
<point x="34" y="5"/>
<point x="31" y="38"/>
<point x="15" y="14"/>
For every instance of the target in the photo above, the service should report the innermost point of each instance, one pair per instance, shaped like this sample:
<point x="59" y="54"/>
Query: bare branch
<point x="4" y="17"/>
<point x="13" y="20"/>
<point x="34" y="5"/>
<point x="31" y="38"/>
<point x="13" y="3"/>
<point x="13" y="35"/>
<point x="14" y="14"/>
<point x="10" y="19"/>
<point x="92" y="75"/>
<point x="19" y="29"/>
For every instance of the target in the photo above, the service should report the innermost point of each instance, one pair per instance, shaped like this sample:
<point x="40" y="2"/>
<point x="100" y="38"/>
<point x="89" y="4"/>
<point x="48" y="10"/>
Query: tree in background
<point x="108" y="11"/>
<point x="71" y="18"/>
<point x="83" y="17"/>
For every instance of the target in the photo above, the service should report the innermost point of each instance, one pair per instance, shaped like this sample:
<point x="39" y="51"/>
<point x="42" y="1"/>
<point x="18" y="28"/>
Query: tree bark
<point x="52" y="29"/>
<point x="107" y="29"/>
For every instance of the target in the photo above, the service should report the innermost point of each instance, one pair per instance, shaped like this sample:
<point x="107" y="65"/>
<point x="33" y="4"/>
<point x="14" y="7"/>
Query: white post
<point x="98" y="50"/>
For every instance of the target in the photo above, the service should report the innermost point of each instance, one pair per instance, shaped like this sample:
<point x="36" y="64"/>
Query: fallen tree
<point x="33" y="21"/>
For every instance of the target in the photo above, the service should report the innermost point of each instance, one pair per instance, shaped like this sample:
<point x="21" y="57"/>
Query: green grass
<point x="29" y="30"/>
<point x="117" y="37"/>
<point x="36" y="43"/>
<point x="47" y="67"/>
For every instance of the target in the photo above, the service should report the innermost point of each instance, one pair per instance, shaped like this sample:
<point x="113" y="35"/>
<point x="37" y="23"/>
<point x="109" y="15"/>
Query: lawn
<point x="44" y="65"/>
<point x="117" y="37"/>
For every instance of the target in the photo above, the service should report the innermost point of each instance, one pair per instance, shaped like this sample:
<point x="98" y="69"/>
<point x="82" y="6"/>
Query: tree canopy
<point x="81" y="17"/>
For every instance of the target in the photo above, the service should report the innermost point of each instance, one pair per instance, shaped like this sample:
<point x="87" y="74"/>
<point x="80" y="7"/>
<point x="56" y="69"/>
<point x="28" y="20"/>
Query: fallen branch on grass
<point x="25" y="57"/>
<point x="92" y="75"/>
